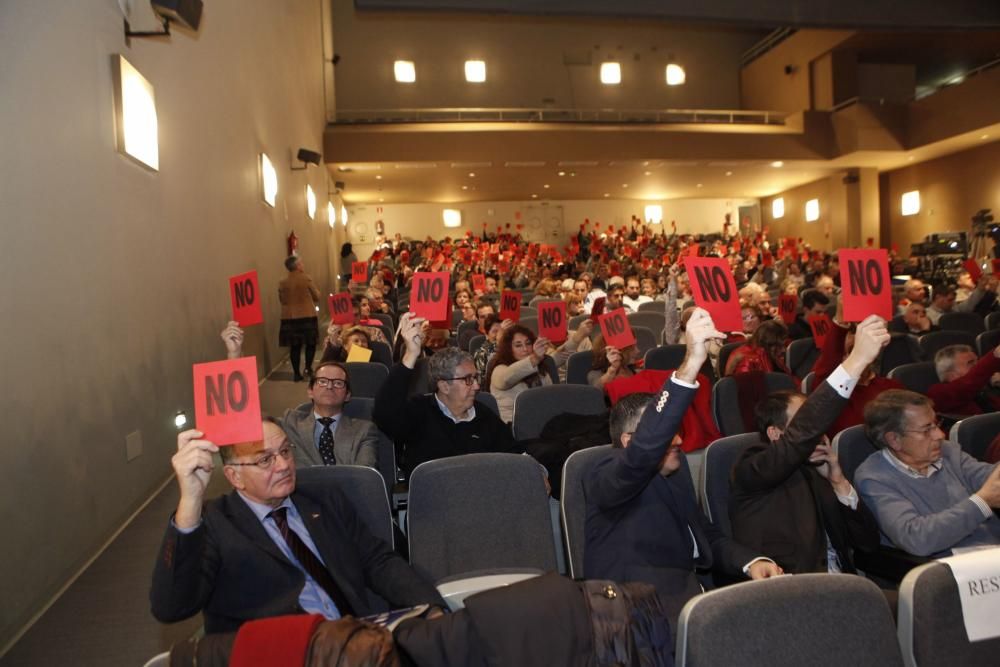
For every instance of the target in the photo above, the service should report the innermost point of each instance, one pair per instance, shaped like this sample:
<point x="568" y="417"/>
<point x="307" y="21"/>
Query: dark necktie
<point x="310" y="563"/>
<point x="326" y="441"/>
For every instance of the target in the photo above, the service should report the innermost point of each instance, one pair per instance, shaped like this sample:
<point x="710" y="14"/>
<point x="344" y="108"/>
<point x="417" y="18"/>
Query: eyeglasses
<point x="265" y="461"/>
<point x="924" y="431"/>
<point x="327" y="383"/>
<point x="469" y="380"/>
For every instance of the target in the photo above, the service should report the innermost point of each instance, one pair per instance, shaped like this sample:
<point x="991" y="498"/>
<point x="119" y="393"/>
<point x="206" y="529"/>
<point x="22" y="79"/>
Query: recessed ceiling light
<point x="472" y="174"/>
<point x="700" y="185"/>
<point x="534" y="196"/>
<point x="546" y="186"/>
<point x="607" y="194"/>
<point x="562" y="173"/>
<point x="380" y="200"/>
<point x="405" y="71"/>
<point x="465" y="187"/>
<point x="777" y="164"/>
<point x="378" y="177"/>
<point x="909" y="159"/>
<point x="729" y="173"/>
<point x="611" y="73"/>
<point x="624" y="185"/>
<point x="984" y="136"/>
<point x="647" y="173"/>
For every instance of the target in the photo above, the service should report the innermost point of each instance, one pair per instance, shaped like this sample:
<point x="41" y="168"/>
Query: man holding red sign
<point x="714" y="289"/>
<point x="270" y="547"/>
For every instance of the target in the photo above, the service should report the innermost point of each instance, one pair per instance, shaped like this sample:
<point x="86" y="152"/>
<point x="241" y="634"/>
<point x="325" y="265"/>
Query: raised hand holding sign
<point x="359" y="272"/>
<point x="787" y="304"/>
<point x="714" y="289"/>
<point x="341" y="308"/>
<point x="864" y="278"/>
<point x="227" y="402"/>
<point x="245" y="296"/>
<point x="510" y="305"/>
<point x="552" y="320"/>
<point x="429" y="295"/>
<point x="820" y="325"/>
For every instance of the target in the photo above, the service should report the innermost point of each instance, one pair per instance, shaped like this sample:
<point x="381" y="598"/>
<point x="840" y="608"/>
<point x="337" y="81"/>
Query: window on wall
<point x="812" y="210"/>
<point x="911" y="202"/>
<point x="778" y="208"/>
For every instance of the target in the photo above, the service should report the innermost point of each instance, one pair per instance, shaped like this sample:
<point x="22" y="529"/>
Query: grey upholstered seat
<point x="362" y="485"/>
<point x="974" y="434"/>
<point x="934" y="341"/>
<point x="725" y="401"/>
<point x="574" y="503"/>
<point x="916" y="377"/>
<point x="902" y="349"/>
<point x="720" y="456"/>
<point x="968" y="322"/>
<point x="724" y="353"/>
<point x="361" y="408"/>
<point x="645" y="339"/>
<point x="654" y="321"/>
<point x="808" y="383"/>
<point x="529" y="323"/>
<point x="366" y="377"/>
<point x="986" y="341"/>
<point x="577" y="367"/>
<point x="800" y="356"/>
<point x="651" y="307"/>
<point x="664" y="357"/>
<point x="534" y="407"/>
<point x="808" y="619"/>
<point x="852" y="447"/>
<point x="931" y="629"/>
<point x="479" y="512"/>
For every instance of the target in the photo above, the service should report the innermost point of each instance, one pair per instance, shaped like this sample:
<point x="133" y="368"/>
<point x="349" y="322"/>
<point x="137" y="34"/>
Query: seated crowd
<point x="273" y="547"/>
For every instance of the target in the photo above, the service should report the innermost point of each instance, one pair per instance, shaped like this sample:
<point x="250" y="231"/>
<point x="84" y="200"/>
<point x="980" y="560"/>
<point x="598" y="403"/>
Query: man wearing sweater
<point x="929" y="497"/>
<point x="446" y="423"/>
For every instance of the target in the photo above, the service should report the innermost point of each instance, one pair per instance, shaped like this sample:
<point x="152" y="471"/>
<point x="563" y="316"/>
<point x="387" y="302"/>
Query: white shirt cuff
<point x="981" y="504"/>
<point x="851" y="499"/>
<point x="683" y="383"/>
<point x="188" y="531"/>
<point x="842" y="382"/>
<point x="746" y="568"/>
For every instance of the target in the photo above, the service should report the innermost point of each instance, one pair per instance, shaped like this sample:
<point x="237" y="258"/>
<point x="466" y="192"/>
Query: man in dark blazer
<point x="643" y="522"/>
<point x="240" y="557"/>
<point x="789" y="497"/>
<point x="354" y="441"/>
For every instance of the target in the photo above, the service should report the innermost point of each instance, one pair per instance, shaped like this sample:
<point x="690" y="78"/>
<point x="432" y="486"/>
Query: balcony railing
<point x="595" y="116"/>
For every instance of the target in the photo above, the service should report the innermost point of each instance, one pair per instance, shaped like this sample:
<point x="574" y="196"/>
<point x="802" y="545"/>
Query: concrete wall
<point x="114" y="279"/>
<point x="549" y="222"/>
<point x="827" y="233"/>
<point x="952" y="189"/>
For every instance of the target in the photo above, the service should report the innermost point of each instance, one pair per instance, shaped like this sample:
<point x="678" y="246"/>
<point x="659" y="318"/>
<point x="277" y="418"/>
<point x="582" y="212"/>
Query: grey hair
<point x="886" y="413"/>
<point x="444" y="362"/>
<point x="626" y="414"/>
<point x="944" y="359"/>
<point x="290" y="262"/>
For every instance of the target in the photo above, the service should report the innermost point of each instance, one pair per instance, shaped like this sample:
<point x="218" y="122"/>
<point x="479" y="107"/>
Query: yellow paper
<point x="358" y="353"/>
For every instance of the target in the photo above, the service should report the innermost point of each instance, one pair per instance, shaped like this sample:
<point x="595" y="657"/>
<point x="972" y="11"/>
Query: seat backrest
<point x="974" y="434"/>
<point x="381" y="353"/>
<point x="993" y="320"/>
<point x="534" y="407"/>
<point x="789" y="621"/>
<point x="574" y="322"/>
<point x="654" y="321"/>
<point x="852" y="447"/>
<point x="968" y="322"/>
<point x="800" y="356"/>
<point x="366" y="377"/>
<point x="574" y="503"/>
<point x="645" y="339"/>
<point x="529" y="311"/>
<point x="577" y="367"/>
<point x="664" y="357"/>
<point x="808" y="383"/>
<point x="384" y="318"/>
<point x="651" y="307"/>
<point x="934" y="341"/>
<point x="916" y="377"/>
<point x="466" y="325"/>
<point x="720" y="457"/>
<point x="489" y="401"/>
<point x="475" y="343"/>
<point x="987" y="340"/>
<point x="363" y="487"/>
<point x="931" y="628"/>
<point x="724" y="353"/>
<point x="361" y="408"/>
<point x="479" y="512"/>
<point x="902" y="349"/>
<point x="726" y="401"/>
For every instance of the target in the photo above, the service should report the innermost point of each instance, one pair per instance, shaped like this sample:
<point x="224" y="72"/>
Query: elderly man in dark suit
<point x="267" y="548"/>
<point x="322" y="434"/>
<point x="643" y="522"/>
<point x="789" y="495"/>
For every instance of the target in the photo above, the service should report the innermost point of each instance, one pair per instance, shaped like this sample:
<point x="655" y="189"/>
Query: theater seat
<point x="986" y="341"/>
<point x="577" y="367"/>
<point x="916" y="377"/>
<point x="974" y="434"/>
<point x="936" y="340"/>
<point x="534" y="407"/>
<point x="968" y="322"/>
<point x="807" y="619"/>
<point x="720" y="457"/>
<point x="800" y="356"/>
<point x="366" y="377"/>
<point x="725" y="401"/>
<point x="574" y="503"/>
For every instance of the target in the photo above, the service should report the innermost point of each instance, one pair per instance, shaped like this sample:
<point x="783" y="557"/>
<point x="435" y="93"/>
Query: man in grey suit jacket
<point x="349" y="441"/>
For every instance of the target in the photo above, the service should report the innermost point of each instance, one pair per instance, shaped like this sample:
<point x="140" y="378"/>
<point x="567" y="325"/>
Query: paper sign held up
<point x="864" y="279"/>
<point x="552" y="320"/>
<point x="714" y="289"/>
<point x="820" y="325"/>
<point x="341" y="308"/>
<point x="226" y="401"/>
<point x="244" y="293"/>
<point x="510" y="305"/>
<point x="360" y="354"/>
<point x="616" y="329"/>
<point x="359" y="272"/>
<point x="972" y="266"/>
<point x="787" y="304"/>
<point x="478" y="282"/>
<point x="429" y="295"/>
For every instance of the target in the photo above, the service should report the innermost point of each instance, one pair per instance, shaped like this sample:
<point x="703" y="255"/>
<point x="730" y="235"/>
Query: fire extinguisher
<point x="293" y="244"/>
